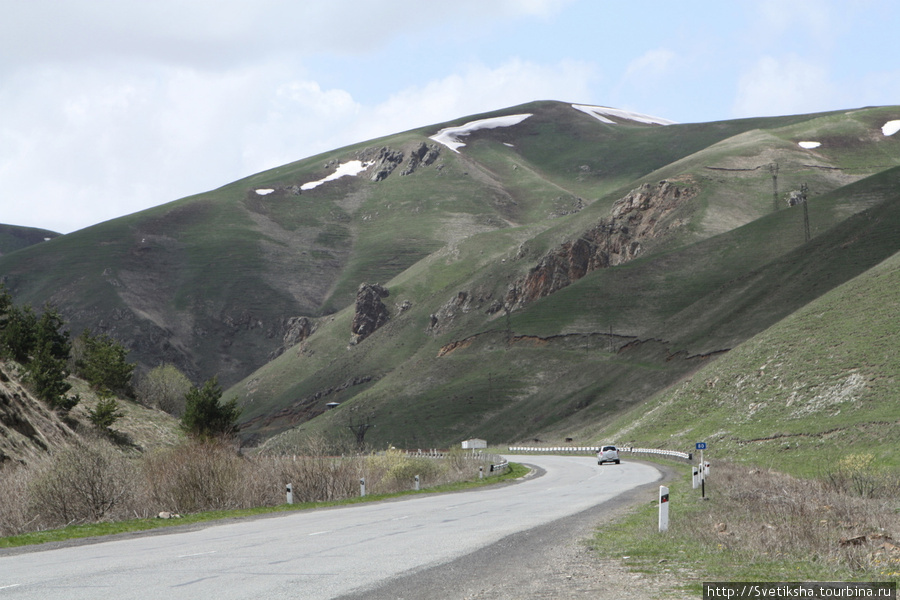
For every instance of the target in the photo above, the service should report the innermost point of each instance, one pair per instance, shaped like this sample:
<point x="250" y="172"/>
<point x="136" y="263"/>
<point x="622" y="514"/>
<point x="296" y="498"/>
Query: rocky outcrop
<point x="296" y="329"/>
<point x="464" y="302"/>
<point x="639" y="216"/>
<point x="28" y="429"/>
<point x="384" y="160"/>
<point x="423" y="155"/>
<point x="371" y="313"/>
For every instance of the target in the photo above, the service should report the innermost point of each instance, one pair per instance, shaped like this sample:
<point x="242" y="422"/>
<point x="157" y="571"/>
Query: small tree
<point x="105" y="413"/>
<point x="165" y="388"/>
<point x="19" y="333"/>
<point x="47" y="371"/>
<point x="204" y="416"/>
<point x="102" y="363"/>
<point x="6" y="305"/>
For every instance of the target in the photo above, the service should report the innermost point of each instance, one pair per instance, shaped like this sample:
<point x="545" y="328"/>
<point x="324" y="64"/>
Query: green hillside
<point x="543" y="279"/>
<point x="13" y="237"/>
<point x="554" y="369"/>
<point x="818" y="385"/>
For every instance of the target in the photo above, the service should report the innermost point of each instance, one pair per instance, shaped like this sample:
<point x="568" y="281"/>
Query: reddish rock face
<point x="639" y="216"/>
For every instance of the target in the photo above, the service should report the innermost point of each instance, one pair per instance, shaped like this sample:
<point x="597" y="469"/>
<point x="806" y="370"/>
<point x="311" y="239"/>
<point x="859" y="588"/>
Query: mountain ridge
<point x="216" y="283"/>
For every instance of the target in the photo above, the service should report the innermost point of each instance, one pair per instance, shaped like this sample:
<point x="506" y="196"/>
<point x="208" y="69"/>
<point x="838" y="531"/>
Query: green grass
<point x="823" y="378"/>
<point x="92" y="530"/>
<point x="700" y="298"/>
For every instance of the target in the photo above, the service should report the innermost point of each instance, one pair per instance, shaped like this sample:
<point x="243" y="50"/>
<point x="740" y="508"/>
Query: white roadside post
<point x="417" y="483"/>
<point x="362" y="486"/>
<point x="702" y="470"/>
<point x="695" y="473"/>
<point x="663" y="508"/>
<point x="290" y="494"/>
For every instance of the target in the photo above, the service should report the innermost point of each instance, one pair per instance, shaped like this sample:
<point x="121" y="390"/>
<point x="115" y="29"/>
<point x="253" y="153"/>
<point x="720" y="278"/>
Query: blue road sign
<point x="701" y="445"/>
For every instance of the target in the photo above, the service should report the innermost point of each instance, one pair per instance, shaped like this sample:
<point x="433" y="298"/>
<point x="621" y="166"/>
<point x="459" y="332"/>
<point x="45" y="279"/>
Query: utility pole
<point x="804" y="190"/>
<point x="774" y="169"/>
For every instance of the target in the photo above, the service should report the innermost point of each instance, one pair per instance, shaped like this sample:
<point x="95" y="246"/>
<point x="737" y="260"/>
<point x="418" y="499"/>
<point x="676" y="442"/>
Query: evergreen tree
<point x="6" y="305"/>
<point x="47" y="370"/>
<point x="204" y="416"/>
<point x="19" y="333"/>
<point x="105" y="413"/>
<point x="102" y="363"/>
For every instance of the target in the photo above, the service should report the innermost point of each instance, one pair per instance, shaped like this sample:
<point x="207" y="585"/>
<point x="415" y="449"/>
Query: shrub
<point x="14" y="515"/>
<point x="197" y="476"/>
<point x="89" y="481"/>
<point x="165" y="388"/>
<point x="394" y="471"/>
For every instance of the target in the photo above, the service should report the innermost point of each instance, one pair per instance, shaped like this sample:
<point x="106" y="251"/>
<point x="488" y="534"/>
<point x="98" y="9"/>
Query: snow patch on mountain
<point x="890" y="128"/>
<point x="351" y="168"/>
<point x="601" y="113"/>
<point x="264" y="191"/>
<point x="809" y="145"/>
<point x="449" y="136"/>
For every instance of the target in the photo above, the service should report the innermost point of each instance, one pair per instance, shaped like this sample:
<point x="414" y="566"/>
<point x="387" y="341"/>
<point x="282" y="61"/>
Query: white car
<point x="608" y="454"/>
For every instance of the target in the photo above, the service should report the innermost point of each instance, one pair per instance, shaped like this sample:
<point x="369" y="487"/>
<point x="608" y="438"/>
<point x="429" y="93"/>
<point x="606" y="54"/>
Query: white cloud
<point x="90" y="144"/>
<point x="218" y="33"/>
<point x="479" y="88"/>
<point x="778" y="86"/>
<point x="652" y="63"/>
<point x="796" y="18"/>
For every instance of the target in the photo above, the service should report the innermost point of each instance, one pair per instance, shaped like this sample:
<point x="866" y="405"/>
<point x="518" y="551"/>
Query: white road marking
<point x="198" y="554"/>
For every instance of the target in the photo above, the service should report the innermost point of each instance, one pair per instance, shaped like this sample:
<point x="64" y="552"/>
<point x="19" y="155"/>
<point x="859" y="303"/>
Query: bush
<point x="87" y="482"/>
<point x="14" y="516"/>
<point x="197" y="476"/>
<point x="165" y="388"/>
<point x="394" y="471"/>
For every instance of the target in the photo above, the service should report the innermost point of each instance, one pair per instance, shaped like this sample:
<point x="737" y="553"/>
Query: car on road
<point x="608" y="454"/>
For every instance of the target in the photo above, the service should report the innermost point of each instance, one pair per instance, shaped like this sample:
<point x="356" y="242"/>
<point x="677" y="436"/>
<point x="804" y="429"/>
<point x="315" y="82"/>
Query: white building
<point x="473" y="444"/>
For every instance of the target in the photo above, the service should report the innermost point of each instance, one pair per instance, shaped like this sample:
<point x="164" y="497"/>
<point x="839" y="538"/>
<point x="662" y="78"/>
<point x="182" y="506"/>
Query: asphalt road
<point x="321" y="553"/>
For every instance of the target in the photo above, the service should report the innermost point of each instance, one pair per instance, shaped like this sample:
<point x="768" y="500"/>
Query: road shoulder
<point x="550" y="561"/>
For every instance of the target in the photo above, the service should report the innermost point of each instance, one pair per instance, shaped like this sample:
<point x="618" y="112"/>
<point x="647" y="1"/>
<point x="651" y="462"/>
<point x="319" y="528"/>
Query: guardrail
<point x="497" y="463"/>
<point x="501" y="466"/>
<point x="594" y="449"/>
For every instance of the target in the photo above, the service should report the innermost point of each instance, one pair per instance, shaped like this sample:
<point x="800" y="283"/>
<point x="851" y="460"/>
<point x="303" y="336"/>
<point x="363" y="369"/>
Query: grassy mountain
<point x="545" y="278"/>
<point x="814" y="388"/>
<point x="14" y="237"/>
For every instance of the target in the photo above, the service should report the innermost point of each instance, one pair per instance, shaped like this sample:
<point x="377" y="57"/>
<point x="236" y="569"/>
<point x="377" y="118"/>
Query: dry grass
<point x="762" y="525"/>
<point x="759" y="515"/>
<point x="92" y="481"/>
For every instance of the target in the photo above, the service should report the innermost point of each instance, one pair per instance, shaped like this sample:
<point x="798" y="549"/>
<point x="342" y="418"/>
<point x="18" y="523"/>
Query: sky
<point x="109" y="107"/>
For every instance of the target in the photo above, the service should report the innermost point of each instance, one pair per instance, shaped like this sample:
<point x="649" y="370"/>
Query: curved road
<point x="319" y="553"/>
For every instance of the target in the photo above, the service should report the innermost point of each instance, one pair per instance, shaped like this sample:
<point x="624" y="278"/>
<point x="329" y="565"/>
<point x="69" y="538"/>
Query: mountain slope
<point x="518" y="266"/>
<point x="575" y="357"/>
<point x="13" y="237"/>
<point x="817" y="385"/>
